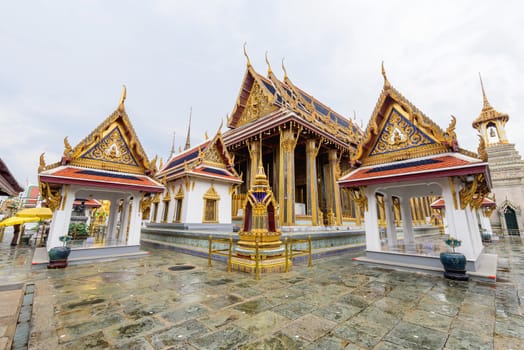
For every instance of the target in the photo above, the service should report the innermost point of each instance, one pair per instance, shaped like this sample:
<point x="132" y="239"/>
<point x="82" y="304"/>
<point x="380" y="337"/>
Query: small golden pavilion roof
<point x="488" y="113"/>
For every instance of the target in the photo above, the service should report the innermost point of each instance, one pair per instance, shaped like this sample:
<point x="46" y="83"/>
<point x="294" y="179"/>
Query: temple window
<point x="211" y="199"/>
<point x="179" y="198"/>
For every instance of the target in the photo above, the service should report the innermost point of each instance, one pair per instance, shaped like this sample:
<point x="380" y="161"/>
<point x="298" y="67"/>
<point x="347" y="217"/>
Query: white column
<point x="123" y="220"/>
<point x="459" y="225"/>
<point x="135" y="220"/>
<point x="390" y="220"/>
<point x="371" y="223"/>
<point x="61" y="217"/>
<point x="407" y="220"/>
<point x="113" y="220"/>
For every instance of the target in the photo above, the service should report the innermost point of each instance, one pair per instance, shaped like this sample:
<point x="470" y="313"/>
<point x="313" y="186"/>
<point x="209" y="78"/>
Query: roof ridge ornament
<point x="386" y="81"/>
<point x="245" y="54"/>
<point x="269" y="71"/>
<point x="284" y="69"/>
<point x="122" y="98"/>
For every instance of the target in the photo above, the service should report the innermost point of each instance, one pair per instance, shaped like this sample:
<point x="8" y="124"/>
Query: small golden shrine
<point x="259" y="247"/>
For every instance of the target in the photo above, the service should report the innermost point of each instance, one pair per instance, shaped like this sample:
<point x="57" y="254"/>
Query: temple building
<point x="303" y="145"/>
<point x="405" y="155"/>
<point x="506" y="167"/>
<point x="199" y="184"/>
<point x="108" y="164"/>
<point x="8" y="184"/>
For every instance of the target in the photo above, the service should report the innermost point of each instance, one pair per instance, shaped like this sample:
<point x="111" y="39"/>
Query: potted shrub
<point x="58" y="255"/>
<point x="454" y="263"/>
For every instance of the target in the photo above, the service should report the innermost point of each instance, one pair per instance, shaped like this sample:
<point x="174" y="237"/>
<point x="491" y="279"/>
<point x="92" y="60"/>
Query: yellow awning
<point x="42" y="213"/>
<point x="16" y="220"/>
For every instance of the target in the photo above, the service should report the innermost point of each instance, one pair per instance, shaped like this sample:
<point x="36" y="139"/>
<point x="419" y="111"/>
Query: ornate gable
<point x="398" y="130"/>
<point x="113" y="145"/>
<point x="256" y="99"/>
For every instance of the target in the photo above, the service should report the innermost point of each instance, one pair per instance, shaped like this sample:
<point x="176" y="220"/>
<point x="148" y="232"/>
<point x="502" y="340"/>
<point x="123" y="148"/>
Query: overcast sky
<point x="63" y="63"/>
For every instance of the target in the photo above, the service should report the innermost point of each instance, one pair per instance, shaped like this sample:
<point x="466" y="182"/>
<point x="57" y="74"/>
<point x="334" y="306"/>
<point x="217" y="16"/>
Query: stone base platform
<point x="484" y="268"/>
<point x="88" y="255"/>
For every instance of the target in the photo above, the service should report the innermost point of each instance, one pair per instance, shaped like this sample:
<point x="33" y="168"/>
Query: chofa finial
<point x="269" y="71"/>
<point x="122" y="98"/>
<point x="386" y="81"/>
<point x="245" y="54"/>
<point x="284" y="69"/>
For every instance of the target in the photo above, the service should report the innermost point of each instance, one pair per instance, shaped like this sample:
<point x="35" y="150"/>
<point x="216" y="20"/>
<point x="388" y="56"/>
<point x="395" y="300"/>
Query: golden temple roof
<point x="261" y="96"/>
<point x="488" y="113"/>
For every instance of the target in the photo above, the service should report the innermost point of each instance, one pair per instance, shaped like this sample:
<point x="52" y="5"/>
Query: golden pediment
<point x="258" y="104"/>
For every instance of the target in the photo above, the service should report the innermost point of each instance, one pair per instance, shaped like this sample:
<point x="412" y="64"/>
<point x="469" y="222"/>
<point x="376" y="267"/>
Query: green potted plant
<point x="58" y="255"/>
<point x="454" y="263"/>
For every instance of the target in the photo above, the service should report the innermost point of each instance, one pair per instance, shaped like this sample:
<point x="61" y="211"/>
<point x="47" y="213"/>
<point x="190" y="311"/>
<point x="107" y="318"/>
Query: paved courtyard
<point x="336" y="304"/>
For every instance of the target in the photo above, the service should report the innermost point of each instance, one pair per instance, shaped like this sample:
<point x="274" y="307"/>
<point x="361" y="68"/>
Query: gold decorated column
<point x="335" y="191"/>
<point x="286" y="174"/>
<point x="312" y="191"/>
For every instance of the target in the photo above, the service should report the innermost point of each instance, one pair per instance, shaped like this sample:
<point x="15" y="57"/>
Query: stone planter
<point x="486" y="237"/>
<point x="454" y="265"/>
<point x="58" y="257"/>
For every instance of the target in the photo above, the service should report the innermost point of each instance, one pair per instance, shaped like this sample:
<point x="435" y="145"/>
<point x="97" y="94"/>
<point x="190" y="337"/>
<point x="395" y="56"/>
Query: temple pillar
<point x="113" y="220"/>
<point x="312" y="190"/>
<point x="334" y="191"/>
<point x="407" y="221"/>
<point x="286" y="184"/>
<point x="390" y="221"/>
<point x="122" y="236"/>
<point x="371" y="222"/>
<point x="61" y="217"/>
<point x="135" y="220"/>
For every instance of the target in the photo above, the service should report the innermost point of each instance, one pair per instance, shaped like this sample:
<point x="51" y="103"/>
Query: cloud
<point x="63" y="64"/>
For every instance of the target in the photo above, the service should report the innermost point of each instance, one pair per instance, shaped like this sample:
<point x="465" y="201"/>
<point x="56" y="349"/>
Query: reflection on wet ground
<point x="336" y="304"/>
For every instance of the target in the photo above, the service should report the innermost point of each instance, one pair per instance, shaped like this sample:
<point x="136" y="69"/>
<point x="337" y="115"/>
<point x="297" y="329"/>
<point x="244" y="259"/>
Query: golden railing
<point x="223" y="252"/>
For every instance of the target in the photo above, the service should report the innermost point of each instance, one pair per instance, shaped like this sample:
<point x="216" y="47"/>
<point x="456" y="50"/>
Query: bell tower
<point x="491" y="124"/>
<point x="506" y="167"/>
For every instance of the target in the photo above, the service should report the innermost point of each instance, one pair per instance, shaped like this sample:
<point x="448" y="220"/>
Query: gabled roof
<point x="113" y="145"/>
<point x="8" y="184"/>
<point x="441" y="203"/>
<point x="210" y="159"/>
<point x="111" y="156"/>
<point x="260" y="96"/>
<point x="398" y="130"/>
<point x="434" y="166"/>
<point x="73" y="175"/>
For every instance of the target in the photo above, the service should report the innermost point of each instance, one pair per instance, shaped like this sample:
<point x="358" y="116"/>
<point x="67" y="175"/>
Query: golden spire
<point x="485" y="99"/>
<point x="269" y="71"/>
<point x="284" y="69"/>
<point x="245" y="54"/>
<point x="122" y="99"/>
<point x="172" y="145"/>
<point x="188" y="142"/>
<point x="386" y="81"/>
<point x="488" y="113"/>
<point x="206" y="136"/>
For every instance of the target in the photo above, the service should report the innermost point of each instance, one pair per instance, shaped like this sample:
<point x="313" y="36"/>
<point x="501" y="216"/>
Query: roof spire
<point x="122" y="99"/>
<point x="245" y="54"/>
<point x="485" y="99"/>
<point x="284" y="69"/>
<point x="188" y="142"/>
<point x="386" y="81"/>
<point x="172" y="145"/>
<point x="269" y="71"/>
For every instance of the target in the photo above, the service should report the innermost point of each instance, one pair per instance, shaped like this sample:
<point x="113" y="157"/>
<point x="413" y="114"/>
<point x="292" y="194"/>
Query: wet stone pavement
<point x="336" y="304"/>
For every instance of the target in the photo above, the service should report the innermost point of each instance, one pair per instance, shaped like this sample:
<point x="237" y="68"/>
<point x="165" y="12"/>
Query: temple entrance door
<point x="511" y="221"/>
